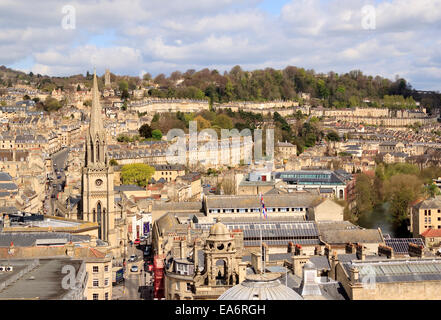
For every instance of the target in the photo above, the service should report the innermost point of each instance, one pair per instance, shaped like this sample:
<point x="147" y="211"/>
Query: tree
<point x="113" y="162"/>
<point x="364" y="194"/>
<point x="51" y="104"/>
<point x="223" y="121"/>
<point x="145" y="131"/>
<point x="401" y="190"/>
<point x="147" y="77"/>
<point x="157" y="134"/>
<point x="202" y="123"/>
<point x="228" y="185"/>
<point x="78" y="88"/>
<point x="333" y="136"/>
<point x="137" y="173"/>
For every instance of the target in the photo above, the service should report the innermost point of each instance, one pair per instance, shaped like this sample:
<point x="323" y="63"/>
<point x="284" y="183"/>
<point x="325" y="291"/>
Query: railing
<point x="18" y="275"/>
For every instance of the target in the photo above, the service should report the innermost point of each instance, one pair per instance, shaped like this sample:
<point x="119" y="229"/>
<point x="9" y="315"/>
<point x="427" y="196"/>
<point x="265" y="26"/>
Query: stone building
<point x="425" y="215"/>
<point x="98" y="195"/>
<point x="200" y="272"/>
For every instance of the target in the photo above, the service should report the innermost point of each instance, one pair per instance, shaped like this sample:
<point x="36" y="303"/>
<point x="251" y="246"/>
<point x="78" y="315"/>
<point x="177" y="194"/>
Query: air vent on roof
<point x="9" y="269"/>
<point x="2" y="268"/>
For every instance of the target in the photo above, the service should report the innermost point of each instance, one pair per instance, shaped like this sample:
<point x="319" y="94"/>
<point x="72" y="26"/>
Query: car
<point x="137" y="241"/>
<point x="147" y="252"/>
<point x="133" y="258"/>
<point x="134" y="269"/>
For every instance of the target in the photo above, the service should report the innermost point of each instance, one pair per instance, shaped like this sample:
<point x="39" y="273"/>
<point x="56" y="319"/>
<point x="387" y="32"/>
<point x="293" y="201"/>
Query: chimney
<point x="183" y="246"/>
<point x="298" y="250"/>
<point x="6" y="221"/>
<point x="256" y="261"/>
<point x="195" y="254"/>
<point x="333" y="261"/>
<point x="349" y="248"/>
<point x="70" y="249"/>
<point x="317" y="251"/>
<point x="290" y="247"/>
<point x="354" y="275"/>
<point x="93" y="241"/>
<point x="361" y="254"/>
<point x="385" y="251"/>
<point x="11" y="249"/>
<point x="327" y="250"/>
<point x="415" y="250"/>
<point x="297" y="264"/>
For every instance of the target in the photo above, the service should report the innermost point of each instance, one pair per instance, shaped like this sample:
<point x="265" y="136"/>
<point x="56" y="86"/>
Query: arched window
<point x="98" y="211"/>
<point x="97" y="151"/>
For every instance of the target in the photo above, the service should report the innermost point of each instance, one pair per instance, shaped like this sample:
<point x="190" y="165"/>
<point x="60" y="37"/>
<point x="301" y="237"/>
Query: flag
<point x="263" y="206"/>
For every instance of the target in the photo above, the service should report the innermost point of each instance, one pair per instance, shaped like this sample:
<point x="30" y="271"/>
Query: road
<point x="136" y="284"/>
<point x="59" y="162"/>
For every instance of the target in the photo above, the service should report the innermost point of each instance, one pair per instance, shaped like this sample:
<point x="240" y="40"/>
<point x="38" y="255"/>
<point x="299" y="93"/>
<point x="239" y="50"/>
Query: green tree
<point x="223" y="121"/>
<point x="145" y="131"/>
<point x="113" y="162"/>
<point x="157" y="134"/>
<point x="365" y="195"/>
<point x="401" y="190"/>
<point x="51" y="104"/>
<point x="137" y="173"/>
<point x="333" y="136"/>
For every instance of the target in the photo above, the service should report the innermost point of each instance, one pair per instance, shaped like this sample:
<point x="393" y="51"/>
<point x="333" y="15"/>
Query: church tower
<point x="97" y="181"/>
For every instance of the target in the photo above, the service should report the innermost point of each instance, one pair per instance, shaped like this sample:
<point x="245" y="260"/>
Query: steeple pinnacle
<point x="96" y="124"/>
<point x="96" y="140"/>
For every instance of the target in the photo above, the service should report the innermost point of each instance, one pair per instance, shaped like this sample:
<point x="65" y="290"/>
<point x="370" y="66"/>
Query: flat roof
<point x="43" y="282"/>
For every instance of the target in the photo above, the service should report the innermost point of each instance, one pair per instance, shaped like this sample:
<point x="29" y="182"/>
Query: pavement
<point x="59" y="159"/>
<point x="137" y="285"/>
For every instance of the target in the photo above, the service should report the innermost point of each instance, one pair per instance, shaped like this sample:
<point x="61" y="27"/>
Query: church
<point x="98" y="195"/>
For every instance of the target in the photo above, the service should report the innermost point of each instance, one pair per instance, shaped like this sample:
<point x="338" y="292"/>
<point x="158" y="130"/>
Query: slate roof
<point x="253" y="201"/>
<point x="399" y="270"/>
<point x="27" y="239"/>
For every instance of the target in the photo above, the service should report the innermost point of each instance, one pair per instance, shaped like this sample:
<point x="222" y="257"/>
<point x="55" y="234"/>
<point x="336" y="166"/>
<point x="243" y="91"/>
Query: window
<point x="95" y="269"/>
<point x="188" y="286"/>
<point x="106" y="296"/>
<point x="96" y="283"/>
<point x="106" y="282"/>
<point x="95" y="296"/>
<point x="106" y="268"/>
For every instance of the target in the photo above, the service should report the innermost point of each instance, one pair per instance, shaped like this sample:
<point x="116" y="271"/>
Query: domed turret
<point x="260" y="287"/>
<point x="219" y="232"/>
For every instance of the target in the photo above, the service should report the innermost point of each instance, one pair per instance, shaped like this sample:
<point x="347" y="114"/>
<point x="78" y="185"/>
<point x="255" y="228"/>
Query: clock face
<point x="99" y="182"/>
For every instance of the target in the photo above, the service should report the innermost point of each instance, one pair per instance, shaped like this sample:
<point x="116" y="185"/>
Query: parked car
<point x="134" y="269"/>
<point x="133" y="258"/>
<point x="137" y="241"/>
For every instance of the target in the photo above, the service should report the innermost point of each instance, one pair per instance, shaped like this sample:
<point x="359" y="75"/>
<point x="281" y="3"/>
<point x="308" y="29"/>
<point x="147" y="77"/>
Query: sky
<point x="379" y="37"/>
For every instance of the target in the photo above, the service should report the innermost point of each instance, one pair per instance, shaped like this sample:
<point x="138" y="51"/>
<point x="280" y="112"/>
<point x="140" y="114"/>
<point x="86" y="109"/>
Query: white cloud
<point x="161" y="37"/>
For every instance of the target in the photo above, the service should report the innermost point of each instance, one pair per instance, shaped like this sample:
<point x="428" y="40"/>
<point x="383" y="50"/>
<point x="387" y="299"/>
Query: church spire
<point x="96" y="123"/>
<point x="96" y="140"/>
